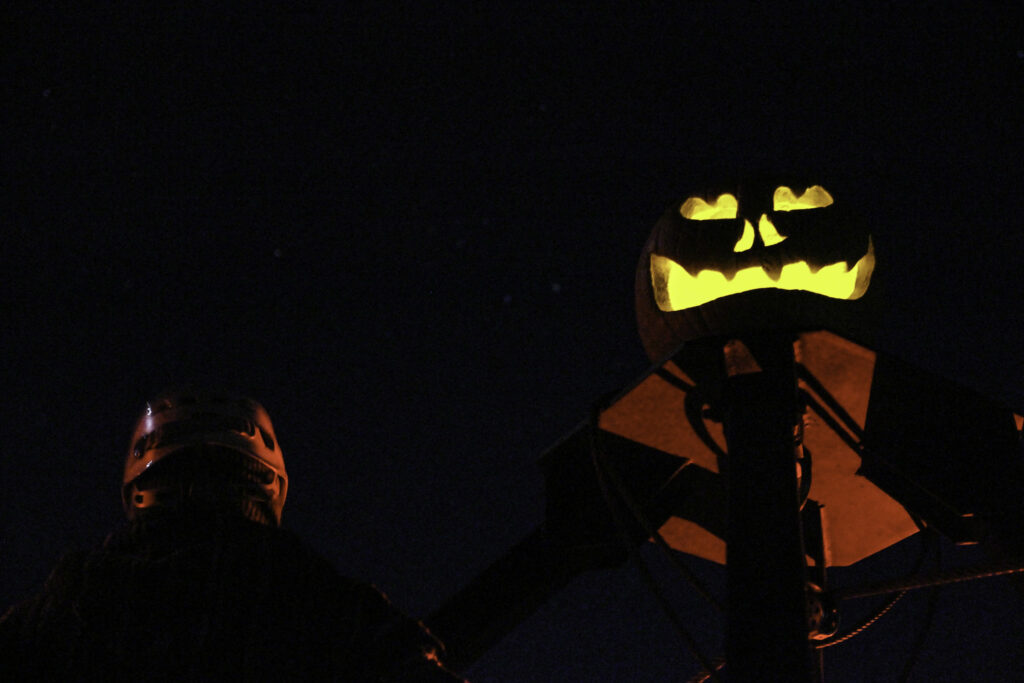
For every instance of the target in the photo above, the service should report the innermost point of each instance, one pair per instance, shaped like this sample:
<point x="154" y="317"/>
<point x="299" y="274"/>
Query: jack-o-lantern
<point x="758" y="256"/>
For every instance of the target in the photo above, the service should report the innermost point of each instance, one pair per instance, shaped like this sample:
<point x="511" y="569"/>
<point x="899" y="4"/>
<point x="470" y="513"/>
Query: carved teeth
<point x="676" y="289"/>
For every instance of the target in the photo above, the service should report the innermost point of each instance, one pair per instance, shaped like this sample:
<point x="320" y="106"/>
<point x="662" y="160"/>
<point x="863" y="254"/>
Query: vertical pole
<point x="766" y="573"/>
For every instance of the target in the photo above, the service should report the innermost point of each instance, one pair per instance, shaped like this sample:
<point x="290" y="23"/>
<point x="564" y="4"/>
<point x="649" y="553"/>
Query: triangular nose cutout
<point x="769" y="235"/>
<point x="746" y="240"/>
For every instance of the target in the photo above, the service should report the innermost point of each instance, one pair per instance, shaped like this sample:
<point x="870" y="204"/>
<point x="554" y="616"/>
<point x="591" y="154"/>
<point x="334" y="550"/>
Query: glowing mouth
<point x="675" y="289"/>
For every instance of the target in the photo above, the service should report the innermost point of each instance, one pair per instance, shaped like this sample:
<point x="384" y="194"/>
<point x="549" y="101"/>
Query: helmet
<point x="192" y="420"/>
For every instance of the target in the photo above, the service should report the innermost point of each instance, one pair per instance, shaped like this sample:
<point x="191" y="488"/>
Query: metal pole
<point x="766" y="573"/>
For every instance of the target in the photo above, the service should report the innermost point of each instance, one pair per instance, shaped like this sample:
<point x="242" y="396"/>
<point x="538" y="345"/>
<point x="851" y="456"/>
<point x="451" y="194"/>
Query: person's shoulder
<point x="23" y="620"/>
<point x="289" y="544"/>
<point x="63" y="581"/>
<point x="290" y="553"/>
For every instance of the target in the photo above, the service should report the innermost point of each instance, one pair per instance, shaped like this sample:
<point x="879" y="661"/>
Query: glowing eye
<point x="814" y="197"/>
<point x="696" y="209"/>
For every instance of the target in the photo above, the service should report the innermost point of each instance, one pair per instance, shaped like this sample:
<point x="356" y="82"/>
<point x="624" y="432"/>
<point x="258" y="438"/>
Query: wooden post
<point x="766" y="573"/>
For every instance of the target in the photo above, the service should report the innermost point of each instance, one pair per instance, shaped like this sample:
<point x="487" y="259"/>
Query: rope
<point x="660" y="541"/>
<point x="602" y="472"/>
<point x="704" y="674"/>
<point x="922" y="635"/>
<point x="865" y="625"/>
<point x="928" y="540"/>
<point x="927" y="581"/>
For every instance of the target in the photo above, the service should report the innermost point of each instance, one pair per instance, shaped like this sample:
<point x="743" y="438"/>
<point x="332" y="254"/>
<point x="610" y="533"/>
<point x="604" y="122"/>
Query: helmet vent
<point x="178" y="424"/>
<point x="268" y="440"/>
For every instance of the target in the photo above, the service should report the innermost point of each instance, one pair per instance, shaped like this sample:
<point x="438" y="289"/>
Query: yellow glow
<point x="814" y="197"/>
<point x="675" y="289"/>
<point x="696" y="209"/>
<point x="746" y="240"/>
<point x="769" y="235"/>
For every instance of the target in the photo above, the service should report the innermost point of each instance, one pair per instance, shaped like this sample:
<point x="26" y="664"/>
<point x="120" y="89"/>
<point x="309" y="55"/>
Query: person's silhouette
<point x="202" y="583"/>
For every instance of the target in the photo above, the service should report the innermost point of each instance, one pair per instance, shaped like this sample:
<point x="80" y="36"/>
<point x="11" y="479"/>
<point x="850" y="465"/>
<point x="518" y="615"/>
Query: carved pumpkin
<point x="762" y="255"/>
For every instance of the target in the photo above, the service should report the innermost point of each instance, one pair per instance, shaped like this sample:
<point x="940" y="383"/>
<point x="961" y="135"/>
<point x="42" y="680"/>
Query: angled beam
<point x="578" y="534"/>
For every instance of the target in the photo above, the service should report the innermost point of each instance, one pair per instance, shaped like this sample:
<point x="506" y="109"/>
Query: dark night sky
<point x="412" y="235"/>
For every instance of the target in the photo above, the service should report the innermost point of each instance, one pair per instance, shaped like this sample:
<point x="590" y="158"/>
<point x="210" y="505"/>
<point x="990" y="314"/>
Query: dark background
<point x="411" y="233"/>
